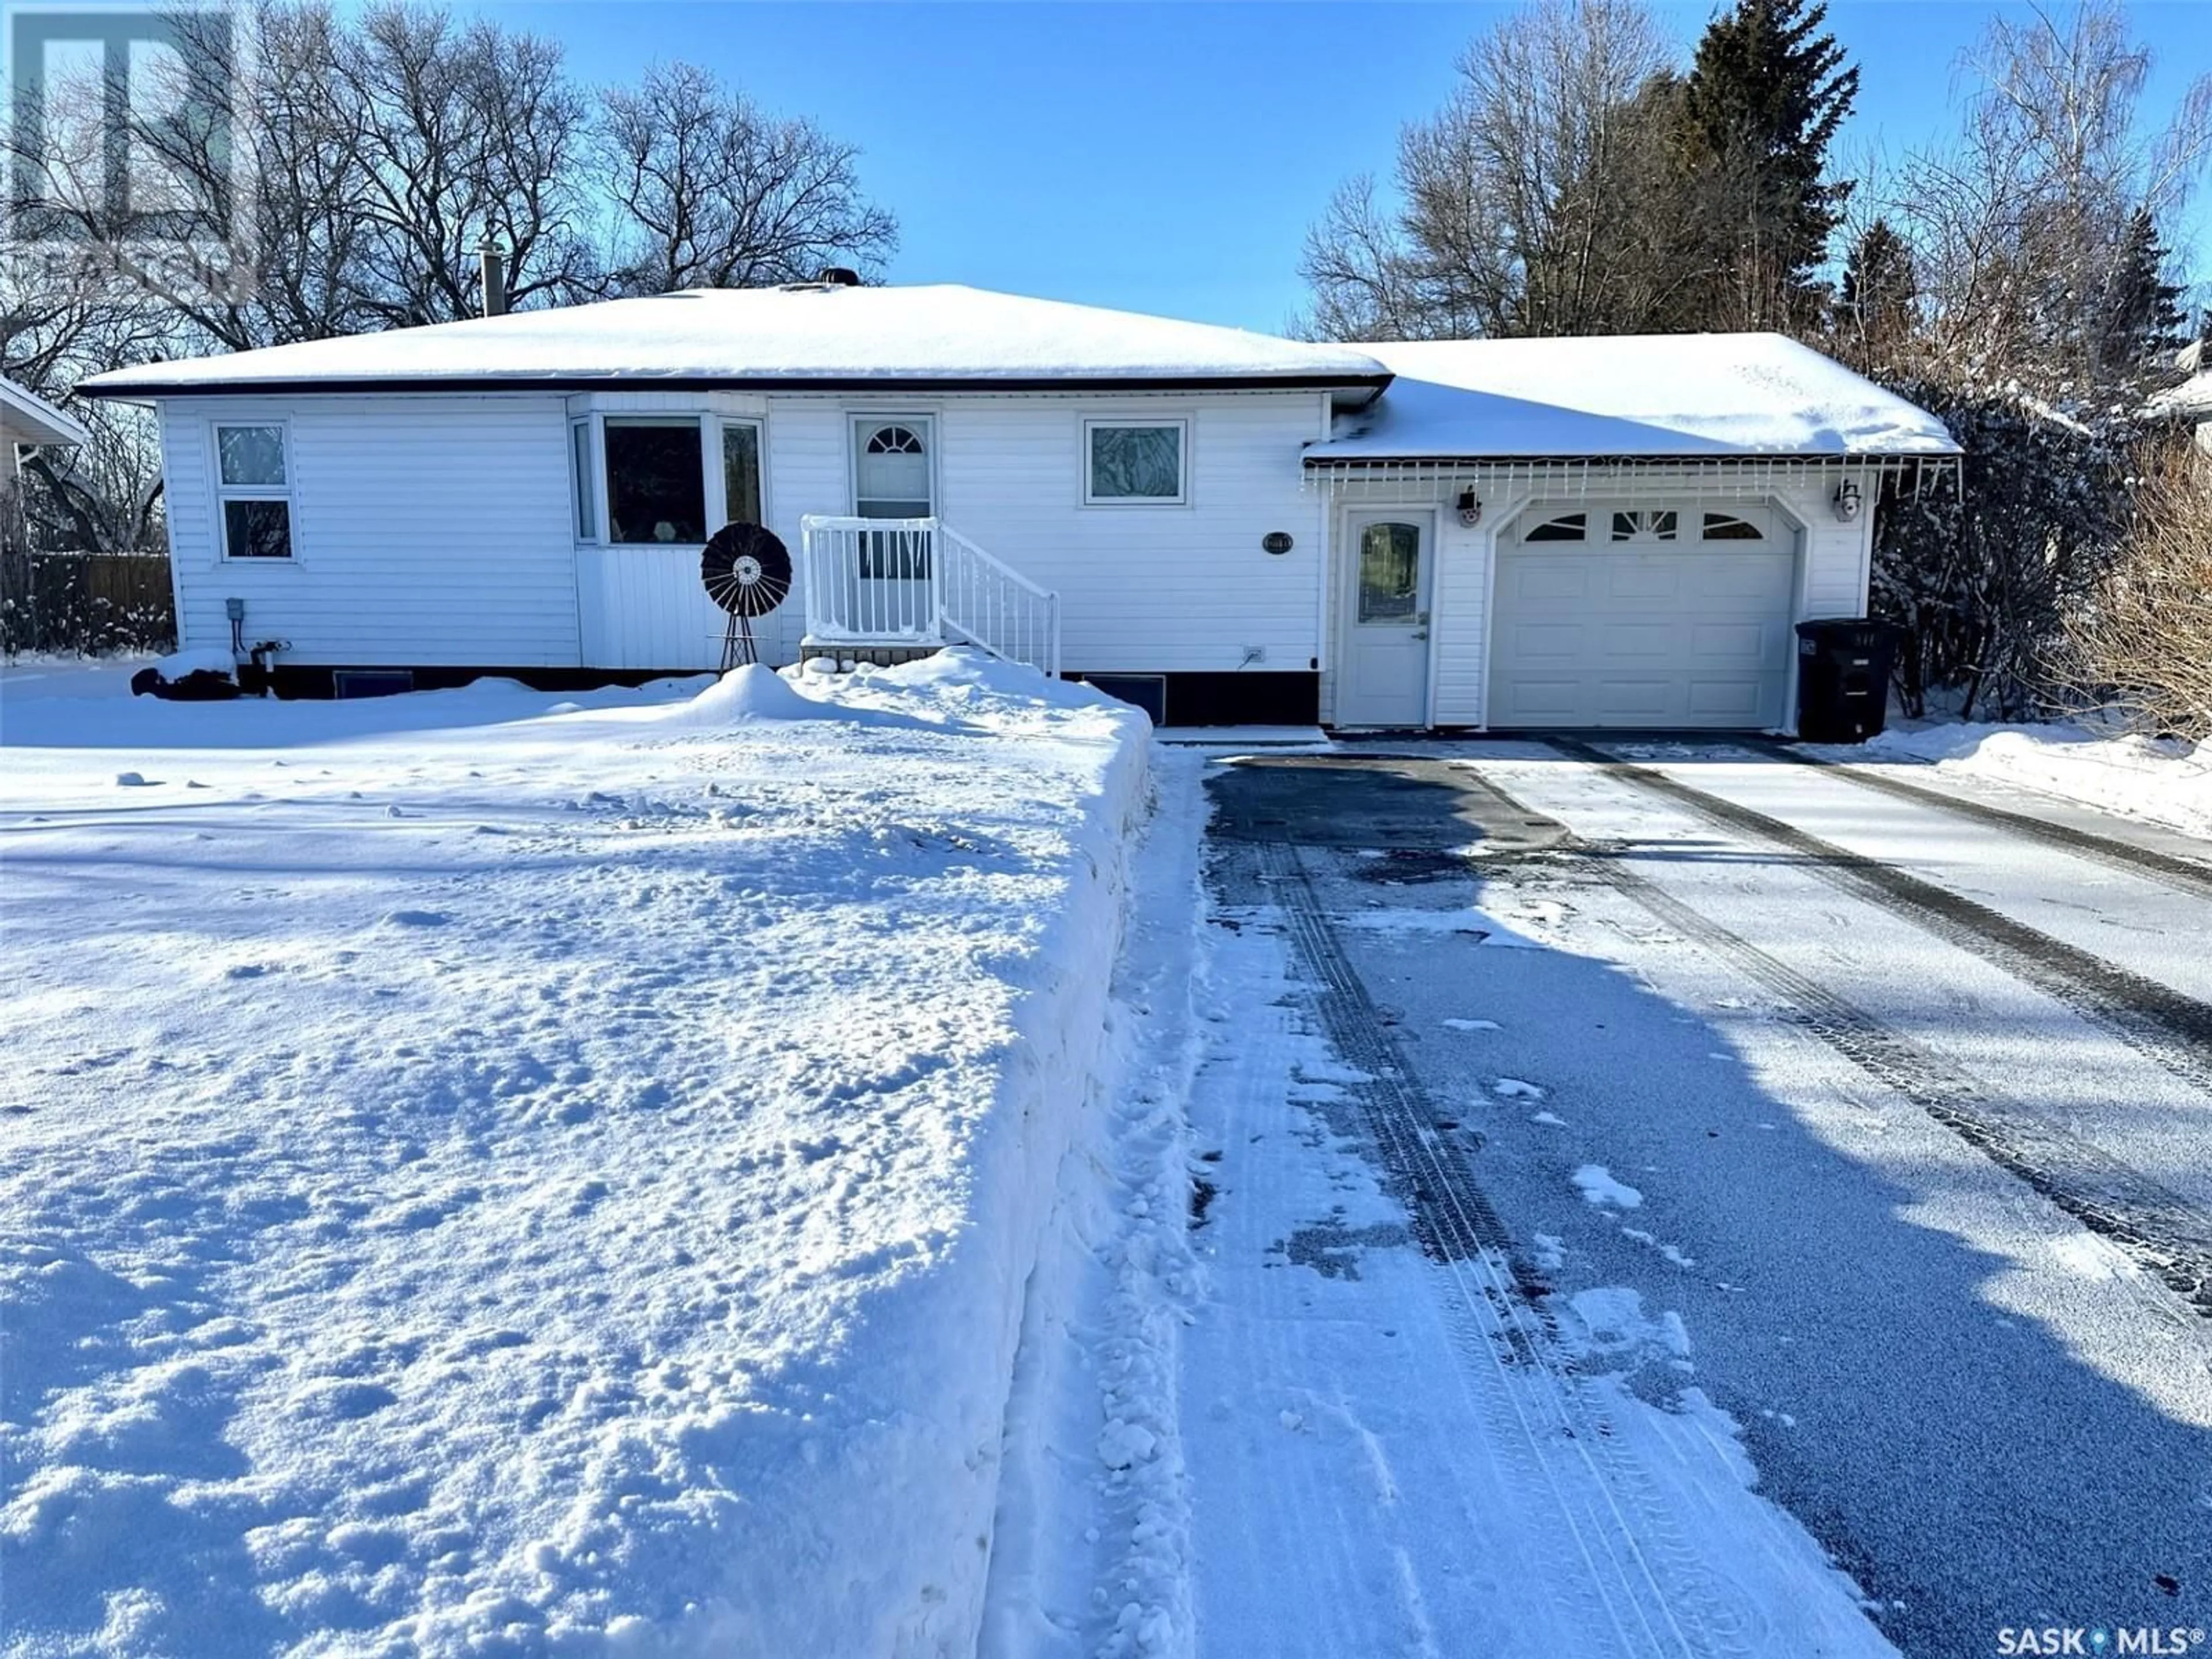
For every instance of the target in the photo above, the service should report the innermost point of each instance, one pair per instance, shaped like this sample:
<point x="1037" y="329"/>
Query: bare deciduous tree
<point x="1534" y="202"/>
<point x="2025" y="232"/>
<point x="710" y="191"/>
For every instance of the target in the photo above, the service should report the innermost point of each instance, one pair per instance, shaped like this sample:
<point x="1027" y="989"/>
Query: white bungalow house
<point x="1222" y="526"/>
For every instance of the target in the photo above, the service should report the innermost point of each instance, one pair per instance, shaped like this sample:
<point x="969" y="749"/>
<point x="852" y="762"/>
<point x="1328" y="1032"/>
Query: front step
<point x="875" y="656"/>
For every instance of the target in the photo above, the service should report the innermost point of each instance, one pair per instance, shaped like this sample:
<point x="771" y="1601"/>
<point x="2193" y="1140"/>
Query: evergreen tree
<point x="1875" y="316"/>
<point x="1766" y="93"/>
<point x="2141" y="314"/>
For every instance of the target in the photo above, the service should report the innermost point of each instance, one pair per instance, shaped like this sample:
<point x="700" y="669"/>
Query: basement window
<point x="253" y="486"/>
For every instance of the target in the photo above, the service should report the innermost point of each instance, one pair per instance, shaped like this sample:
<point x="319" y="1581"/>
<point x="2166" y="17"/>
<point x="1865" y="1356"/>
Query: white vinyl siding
<point x="1185" y="588"/>
<point x="427" y="530"/>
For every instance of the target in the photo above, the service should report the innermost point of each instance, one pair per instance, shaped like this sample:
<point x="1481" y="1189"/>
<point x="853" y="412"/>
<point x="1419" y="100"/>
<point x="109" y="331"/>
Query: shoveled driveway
<point x="1881" y="1119"/>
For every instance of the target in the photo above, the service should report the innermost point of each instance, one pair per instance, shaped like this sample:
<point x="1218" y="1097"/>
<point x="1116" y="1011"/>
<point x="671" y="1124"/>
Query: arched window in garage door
<point x="1728" y="527"/>
<point x="1567" y="527"/>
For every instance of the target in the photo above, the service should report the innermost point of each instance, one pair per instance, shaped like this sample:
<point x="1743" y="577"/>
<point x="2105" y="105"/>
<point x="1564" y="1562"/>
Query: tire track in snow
<point x="2184" y="875"/>
<point x="2172" y="1031"/>
<point x="2155" y="1225"/>
<point x="1642" y="1582"/>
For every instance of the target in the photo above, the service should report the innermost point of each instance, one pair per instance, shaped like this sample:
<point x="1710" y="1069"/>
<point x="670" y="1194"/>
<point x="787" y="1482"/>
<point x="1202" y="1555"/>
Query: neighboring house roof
<point x="2189" y="401"/>
<point x="28" y="418"/>
<point x="801" y="336"/>
<point x="1652" y="395"/>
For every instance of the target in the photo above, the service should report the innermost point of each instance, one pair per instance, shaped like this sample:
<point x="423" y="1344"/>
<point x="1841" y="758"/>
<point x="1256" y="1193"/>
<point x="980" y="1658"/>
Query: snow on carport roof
<point x="1641" y="395"/>
<point x="30" y="419"/>
<point x="805" y="335"/>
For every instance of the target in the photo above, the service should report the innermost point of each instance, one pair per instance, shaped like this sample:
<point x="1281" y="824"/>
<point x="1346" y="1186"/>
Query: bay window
<point x="664" y="480"/>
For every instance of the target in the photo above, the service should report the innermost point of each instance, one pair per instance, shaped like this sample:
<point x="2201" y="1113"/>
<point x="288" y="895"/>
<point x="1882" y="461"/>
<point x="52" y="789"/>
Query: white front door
<point x="894" y="477"/>
<point x="1382" y="657"/>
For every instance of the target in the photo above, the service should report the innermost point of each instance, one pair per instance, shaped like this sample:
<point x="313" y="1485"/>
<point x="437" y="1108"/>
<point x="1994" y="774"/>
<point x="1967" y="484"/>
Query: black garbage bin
<point x="1843" y="678"/>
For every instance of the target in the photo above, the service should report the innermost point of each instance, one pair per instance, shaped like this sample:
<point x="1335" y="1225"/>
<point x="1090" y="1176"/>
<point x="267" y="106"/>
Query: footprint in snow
<point x="415" y="918"/>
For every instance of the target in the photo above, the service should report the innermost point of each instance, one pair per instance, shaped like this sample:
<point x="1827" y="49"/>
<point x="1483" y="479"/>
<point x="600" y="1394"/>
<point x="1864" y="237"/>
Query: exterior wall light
<point x="1847" y="501"/>
<point x="1470" y="510"/>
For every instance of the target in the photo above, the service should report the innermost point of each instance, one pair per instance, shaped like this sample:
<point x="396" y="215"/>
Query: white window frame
<point x="718" y="479"/>
<point x="229" y="492"/>
<point x="587" y="492"/>
<point x="1182" y="425"/>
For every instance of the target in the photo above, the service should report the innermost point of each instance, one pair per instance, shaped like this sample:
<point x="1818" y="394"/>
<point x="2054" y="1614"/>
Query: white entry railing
<point x="914" y="582"/>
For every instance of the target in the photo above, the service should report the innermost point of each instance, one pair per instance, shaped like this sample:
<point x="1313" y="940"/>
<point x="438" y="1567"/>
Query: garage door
<point x="1642" y="616"/>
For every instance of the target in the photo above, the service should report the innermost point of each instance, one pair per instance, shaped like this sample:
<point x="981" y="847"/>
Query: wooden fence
<point x="85" y="602"/>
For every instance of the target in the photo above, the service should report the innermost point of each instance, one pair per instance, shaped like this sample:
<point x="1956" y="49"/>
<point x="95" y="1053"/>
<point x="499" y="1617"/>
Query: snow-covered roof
<point x="806" y="335"/>
<point x="1656" y="395"/>
<point x="2189" y="401"/>
<point x="28" y="418"/>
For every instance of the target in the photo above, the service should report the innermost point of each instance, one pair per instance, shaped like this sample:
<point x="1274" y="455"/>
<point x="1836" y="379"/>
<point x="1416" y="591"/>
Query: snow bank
<point x="178" y="663"/>
<point x="536" y="1182"/>
<point x="2160" y="782"/>
<point x="757" y="692"/>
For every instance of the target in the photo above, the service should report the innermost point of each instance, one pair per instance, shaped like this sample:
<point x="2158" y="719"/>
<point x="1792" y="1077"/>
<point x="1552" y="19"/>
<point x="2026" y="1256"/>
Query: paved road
<point x="1914" y="1097"/>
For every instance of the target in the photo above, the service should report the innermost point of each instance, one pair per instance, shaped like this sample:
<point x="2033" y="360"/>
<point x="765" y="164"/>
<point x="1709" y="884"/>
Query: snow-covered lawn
<point x="495" y="1172"/>
<point x="2160" y="782"/>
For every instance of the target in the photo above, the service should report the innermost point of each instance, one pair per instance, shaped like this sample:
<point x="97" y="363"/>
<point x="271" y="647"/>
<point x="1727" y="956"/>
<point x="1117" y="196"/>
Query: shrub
<point x="2142" y="645"/>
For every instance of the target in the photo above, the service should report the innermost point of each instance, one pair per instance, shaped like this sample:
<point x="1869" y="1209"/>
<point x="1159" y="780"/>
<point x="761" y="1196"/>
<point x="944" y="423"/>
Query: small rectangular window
<point x="580" y="452"/>
<point x="656" y="480"/>
<point x="741" y="472"/>
<point x="1135" y="462"/>
<point x="253" y="485"/>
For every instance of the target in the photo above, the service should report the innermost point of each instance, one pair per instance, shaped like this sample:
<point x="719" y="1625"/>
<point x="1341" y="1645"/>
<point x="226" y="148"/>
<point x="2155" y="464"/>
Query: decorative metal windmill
<point x="746" y="570"/>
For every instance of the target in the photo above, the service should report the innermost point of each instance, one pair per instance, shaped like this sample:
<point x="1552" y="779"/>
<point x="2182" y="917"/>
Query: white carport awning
<point x="28" y="418"/>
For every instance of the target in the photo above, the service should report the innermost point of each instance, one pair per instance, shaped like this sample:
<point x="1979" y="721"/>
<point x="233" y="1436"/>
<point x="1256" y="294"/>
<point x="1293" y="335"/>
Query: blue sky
<point x="1169" y="157"/>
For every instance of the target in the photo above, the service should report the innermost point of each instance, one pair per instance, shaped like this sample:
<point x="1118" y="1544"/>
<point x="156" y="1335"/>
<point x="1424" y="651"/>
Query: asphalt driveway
<point x="1873" y="1117"/>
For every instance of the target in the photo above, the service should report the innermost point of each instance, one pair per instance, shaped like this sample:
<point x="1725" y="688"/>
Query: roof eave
<point x="1840" y="457"/>
<point x="121" y="386"/>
